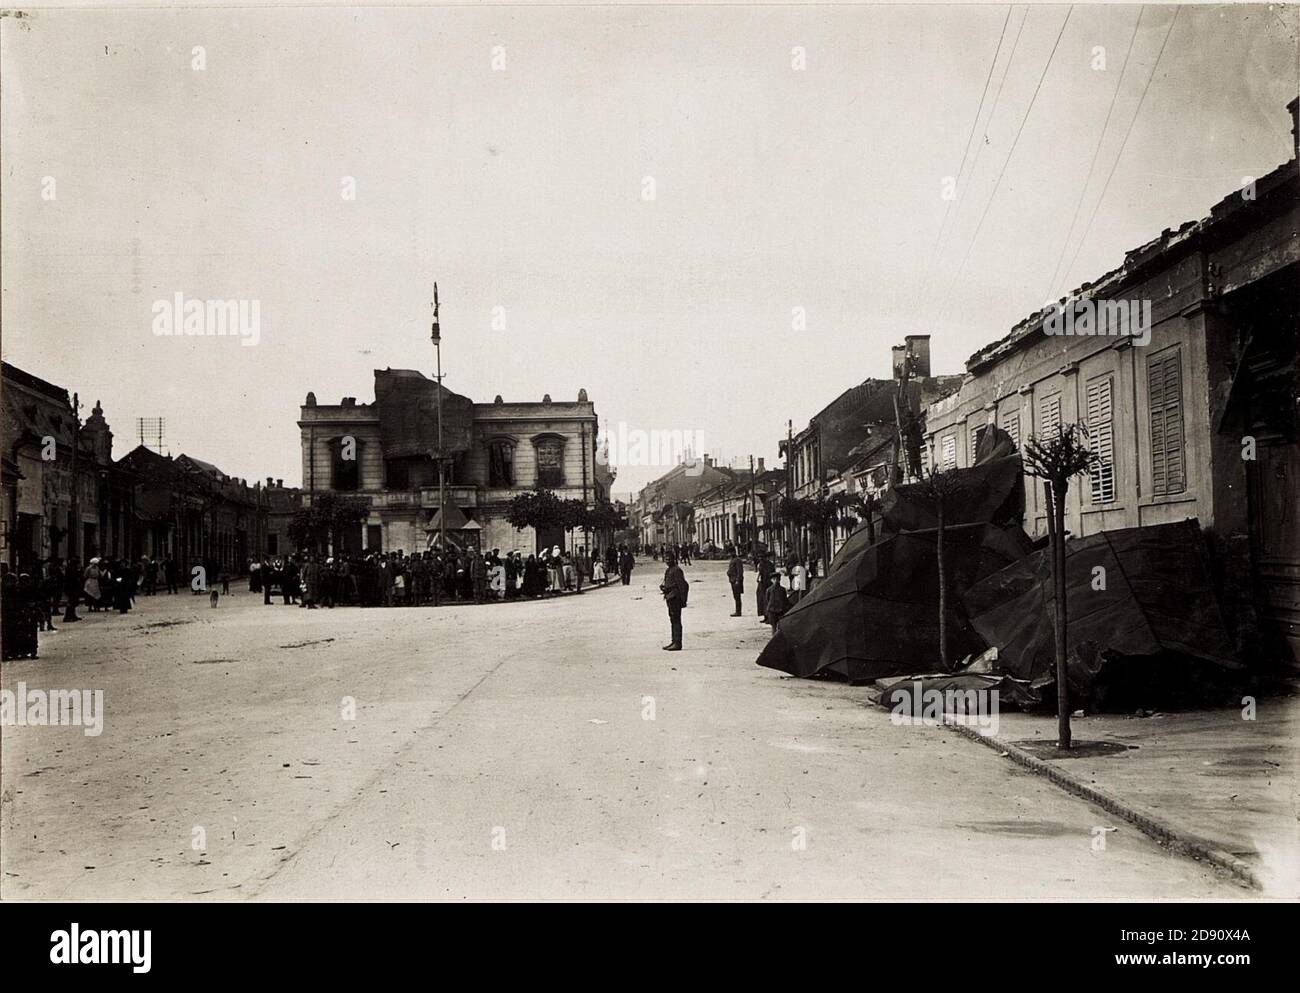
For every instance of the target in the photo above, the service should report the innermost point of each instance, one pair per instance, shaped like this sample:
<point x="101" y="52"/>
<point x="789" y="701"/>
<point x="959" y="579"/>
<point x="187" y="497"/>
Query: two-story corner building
<point x="386" y="451"/>
<point x="1193" y="416"/>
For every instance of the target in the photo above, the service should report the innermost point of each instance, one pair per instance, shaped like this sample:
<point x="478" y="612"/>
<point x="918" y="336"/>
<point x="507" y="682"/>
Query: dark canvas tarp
<point x="408" y="415"/>
<point x="989" y="491"/>
<point x="876" y="614"/>
<point x="1158" y="598"/>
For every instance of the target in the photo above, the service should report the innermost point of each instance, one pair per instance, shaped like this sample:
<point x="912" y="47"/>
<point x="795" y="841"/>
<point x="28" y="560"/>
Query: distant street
<point x="507" y="752"/>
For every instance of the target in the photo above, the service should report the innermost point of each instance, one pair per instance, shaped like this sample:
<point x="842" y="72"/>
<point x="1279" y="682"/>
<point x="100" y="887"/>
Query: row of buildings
<point x="1197" y="416"/>
<point x="849" y="447"/>
<point x="64" y="494"/>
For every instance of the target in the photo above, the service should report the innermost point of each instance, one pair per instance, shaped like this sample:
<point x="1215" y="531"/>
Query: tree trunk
<point x="943" y="594"/>
<point x="1056" y="534"/>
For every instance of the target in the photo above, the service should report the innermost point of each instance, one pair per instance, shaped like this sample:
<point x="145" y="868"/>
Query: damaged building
<point x="1192" y="417"/>
<point x="387" y="451"/>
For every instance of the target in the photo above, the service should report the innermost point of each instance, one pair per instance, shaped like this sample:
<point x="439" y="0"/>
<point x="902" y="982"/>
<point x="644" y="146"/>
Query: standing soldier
<point x="478" y="576"/>
<point x="674" y="588"/>
<point x="736" y="575"/>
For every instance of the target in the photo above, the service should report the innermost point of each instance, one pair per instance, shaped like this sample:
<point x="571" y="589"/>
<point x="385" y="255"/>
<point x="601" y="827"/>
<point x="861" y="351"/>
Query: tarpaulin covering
<point x="1154" y="596"/>
<point x="988" y="491"/>
<point x="408" y="415"/>
<point x="909" y="694"/>
<point x="876" y="613"/>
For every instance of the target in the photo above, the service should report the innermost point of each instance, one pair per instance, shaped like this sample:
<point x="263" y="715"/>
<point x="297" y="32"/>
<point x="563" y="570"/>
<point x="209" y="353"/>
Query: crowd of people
<point x="32" y="600"/>
<point x="401" y="579"/>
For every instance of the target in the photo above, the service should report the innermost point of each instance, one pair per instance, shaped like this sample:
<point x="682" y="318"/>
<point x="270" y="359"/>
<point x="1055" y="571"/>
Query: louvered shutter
<point x="1165" y="385"/>
<point x="949" y="457"/>
<point x="1049" y="416"/>
<point x="1101" y="430"/>
<point x="1011" y="425"/>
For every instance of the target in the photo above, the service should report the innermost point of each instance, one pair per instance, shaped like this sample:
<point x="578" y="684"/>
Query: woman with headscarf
<point x="94" y="594"/>
<point x="557" y="570"/>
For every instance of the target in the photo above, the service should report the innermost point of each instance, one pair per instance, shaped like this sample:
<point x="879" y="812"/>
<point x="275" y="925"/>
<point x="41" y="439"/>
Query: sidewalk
<point x="1210" y="783"/>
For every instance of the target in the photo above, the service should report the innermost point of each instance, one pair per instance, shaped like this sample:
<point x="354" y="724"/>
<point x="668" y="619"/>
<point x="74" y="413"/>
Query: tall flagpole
<point x="442" y="493"/>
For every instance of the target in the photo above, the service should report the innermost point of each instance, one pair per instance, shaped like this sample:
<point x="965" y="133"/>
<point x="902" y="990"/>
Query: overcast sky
<point x="523" y="188"/>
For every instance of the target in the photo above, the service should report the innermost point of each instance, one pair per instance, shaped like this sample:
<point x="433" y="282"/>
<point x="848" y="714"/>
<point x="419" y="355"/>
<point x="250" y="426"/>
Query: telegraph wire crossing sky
<point x="663" y="206"/>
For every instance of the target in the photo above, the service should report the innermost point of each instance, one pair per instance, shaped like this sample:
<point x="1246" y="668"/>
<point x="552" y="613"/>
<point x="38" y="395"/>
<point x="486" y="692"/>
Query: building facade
<point x="1192" y="416"/>
<point x="386" y="453"/>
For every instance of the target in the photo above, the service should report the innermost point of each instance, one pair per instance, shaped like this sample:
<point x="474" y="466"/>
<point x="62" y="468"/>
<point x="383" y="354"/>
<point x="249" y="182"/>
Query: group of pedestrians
<point x="683" y="552"/>
<point x="401" y="579"/>
<point x="32" y="600"/>
<point x="772" y="596"/>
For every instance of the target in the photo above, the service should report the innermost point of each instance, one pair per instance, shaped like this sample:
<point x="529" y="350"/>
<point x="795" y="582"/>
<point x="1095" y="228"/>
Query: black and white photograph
<point x="651" y="453"/>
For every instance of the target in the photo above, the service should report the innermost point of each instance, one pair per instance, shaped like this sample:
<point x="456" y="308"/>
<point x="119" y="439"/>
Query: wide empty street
<point x="543" y="749"/>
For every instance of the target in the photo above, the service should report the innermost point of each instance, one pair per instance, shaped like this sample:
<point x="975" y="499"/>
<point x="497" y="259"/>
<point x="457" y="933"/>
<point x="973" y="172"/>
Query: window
<point x="397" y="474"/>
<point x="272" y="544"/>
<point x="1011" y="425"/>
<point x="948" y="456"/>
<point x="1101" y="437"/>
<point x="975" y="437"/>
<point x="1165" y="382"/>
<point x="550" y="462"/>
<point x="501" y="463"/>
<point x="1049" y="416"/>
<point x="345" y="458"/>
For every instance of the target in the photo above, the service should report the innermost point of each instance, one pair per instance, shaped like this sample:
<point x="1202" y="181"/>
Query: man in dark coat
<point x="674" y="589"/>
<point x="777" y="601"/>
<point x="478" y="571"/>
<point x="625" y="563"/>
<point x="766" y="570"/>
<point x="736" y="576"/>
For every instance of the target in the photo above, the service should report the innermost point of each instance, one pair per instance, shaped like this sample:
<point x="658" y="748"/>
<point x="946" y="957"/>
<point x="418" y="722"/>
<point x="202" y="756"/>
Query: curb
<point x="1172" y="838"/>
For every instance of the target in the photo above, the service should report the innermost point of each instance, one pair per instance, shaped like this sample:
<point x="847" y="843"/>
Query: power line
<point x="1096" y="152"/>
<point x="1007" y="161"/>
<point x="934" y="252"/>
<point x="1097" y="206"/>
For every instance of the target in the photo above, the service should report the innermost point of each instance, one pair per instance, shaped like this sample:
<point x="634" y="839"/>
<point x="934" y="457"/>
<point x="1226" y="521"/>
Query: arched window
<point x="550" y="460"/>
<point x="501" y="463"/>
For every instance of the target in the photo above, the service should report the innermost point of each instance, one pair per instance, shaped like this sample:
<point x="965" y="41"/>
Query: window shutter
<point x="1049" y="416"/>
<point x="949" y="457"/>
<point x="1101" y="427"/>
<point x="1164" y="382"/>
<point x="1011" y="425"/>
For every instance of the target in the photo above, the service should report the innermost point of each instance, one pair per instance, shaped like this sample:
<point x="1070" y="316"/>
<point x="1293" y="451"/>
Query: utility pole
<point x="751" y="518"/>
<point x="73" y="510"/>
<point x="74" y="523"/>
<point x="442" y="491"/>
<point x="789" y="484"/>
